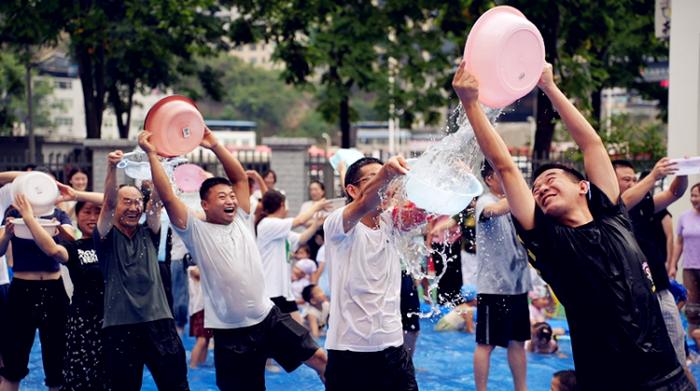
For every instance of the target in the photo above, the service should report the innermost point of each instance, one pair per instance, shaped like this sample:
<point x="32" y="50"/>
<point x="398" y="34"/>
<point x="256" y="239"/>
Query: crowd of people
<point x="129" y="268"/>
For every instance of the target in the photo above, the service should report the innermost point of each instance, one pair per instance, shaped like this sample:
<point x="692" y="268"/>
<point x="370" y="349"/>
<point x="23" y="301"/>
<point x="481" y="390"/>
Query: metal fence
<point x="57" y="163"/>
<point x="250" y="159"/>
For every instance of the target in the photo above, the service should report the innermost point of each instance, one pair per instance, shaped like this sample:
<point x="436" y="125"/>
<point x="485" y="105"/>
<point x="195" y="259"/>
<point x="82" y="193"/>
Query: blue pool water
<point x="443" y="362"/>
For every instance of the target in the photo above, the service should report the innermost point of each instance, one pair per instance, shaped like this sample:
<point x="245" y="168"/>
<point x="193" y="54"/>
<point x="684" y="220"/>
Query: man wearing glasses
<point x="138" y="326"/>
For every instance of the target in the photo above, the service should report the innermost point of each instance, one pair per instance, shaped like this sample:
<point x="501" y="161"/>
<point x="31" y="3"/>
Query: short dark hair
<point x="352" y="175"/>
<point x="268" y="172"/>
<point x="486" y="170"/>
<point x="622" y="163"/>
<point x="271" y="201"/>
<point x="81" y="204"/>
<point x="694" y="186"/>
<point x="307" y="292"/>
<point x="211" y="182"/>
<point x="75" y="170"/>
<point x="567" y="380"/>
<point x="571" y="172"/>
<point x="319" y="183"/>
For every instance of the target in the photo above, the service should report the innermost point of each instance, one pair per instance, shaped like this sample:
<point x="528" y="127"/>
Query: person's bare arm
<point x="667" y="226"/>
<point x="665" y="198"/>
<point x="105" y="221"/>
<point x="636" y="193"/>
<point x="496" y="209"/>
<point x="306" y="215"/>
<point x="42" y="238"/>
<point x="309" y="232"/>
<point x="177" y="210"/>
<point x="9" y="176"/>
<point x="317" y="274"/>
<point x="370" y="199"/>
<point x="6" y="234"/>
<point x="672" y="267"/>
<point x="442" y="225"/>
<point x="313" y="326"/>
<point x="67" y="193"/>
<point x="234" y="170"/>
<point x="258" y="180"/>
<point x="596" y="161"/>
<point x="522" y="203"/>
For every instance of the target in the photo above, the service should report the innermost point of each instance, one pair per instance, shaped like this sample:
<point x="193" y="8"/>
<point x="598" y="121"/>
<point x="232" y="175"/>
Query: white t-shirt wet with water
<point x="230" y="269"/>
<point x="365" y="277"/>
<point x="275" y="240"/>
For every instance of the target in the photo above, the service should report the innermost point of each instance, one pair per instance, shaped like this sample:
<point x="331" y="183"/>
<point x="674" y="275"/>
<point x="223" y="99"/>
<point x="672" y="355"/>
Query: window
<point x="63" y="84"/>
<point x="64" y="121"/>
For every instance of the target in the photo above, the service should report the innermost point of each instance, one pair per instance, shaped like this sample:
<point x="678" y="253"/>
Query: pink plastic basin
<point x="505" y="52"/>
<point x="189" y="177"/>
<point x="176" y="124"/>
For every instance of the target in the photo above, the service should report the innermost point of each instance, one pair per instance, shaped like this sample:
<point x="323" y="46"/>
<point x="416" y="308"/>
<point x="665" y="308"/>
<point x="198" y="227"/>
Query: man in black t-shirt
<point x="642" y="207"/>
<point x="580" y="238"/>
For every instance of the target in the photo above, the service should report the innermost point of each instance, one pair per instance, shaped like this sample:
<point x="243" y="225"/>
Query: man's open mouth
<point x="229" y="210"/>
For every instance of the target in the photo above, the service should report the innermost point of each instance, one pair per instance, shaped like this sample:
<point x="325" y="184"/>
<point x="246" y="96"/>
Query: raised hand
<point x="23" y="206"/>
<point x="465" y="85"/>
<point x="547" y="77"/>
<point x="114" y="157"/>
<point x="397" y="166"/>
<point x="663" y="168"/>
<point x="10" y="226"/>
<point x="66" y="192"/>
<point x="145" y="142"/>
<point x="209" y="141"/>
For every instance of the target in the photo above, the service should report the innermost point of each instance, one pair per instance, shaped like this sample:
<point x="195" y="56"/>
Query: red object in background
<point x="664" y="83"/>
<point x="408" y="216"/>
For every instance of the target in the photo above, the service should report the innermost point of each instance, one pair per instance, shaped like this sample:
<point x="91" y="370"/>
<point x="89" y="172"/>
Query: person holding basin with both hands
<point x="580" y="239"/>
<point x="247" y="326"/>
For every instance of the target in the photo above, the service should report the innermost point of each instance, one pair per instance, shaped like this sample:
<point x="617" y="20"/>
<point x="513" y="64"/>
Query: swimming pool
<point x="443" y="362"/>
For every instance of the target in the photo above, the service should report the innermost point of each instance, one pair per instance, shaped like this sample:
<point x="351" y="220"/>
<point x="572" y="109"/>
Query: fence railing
<point x="59" y="164"/>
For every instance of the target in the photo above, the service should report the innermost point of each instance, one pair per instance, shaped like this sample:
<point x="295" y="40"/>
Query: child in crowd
<point x="564" y="381"/>
<point x="318" y="310"/>
<point x="196" y="310"/>
<point x="302" y="272"/>
<point x="460" y="318"/>
<point x="543" y="340"/>
<point x="540" y="301"/>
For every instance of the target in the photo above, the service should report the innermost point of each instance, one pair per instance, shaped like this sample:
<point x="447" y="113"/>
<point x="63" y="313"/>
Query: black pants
<point x="450" y="284"/>
<point x="35" y="305"/>
<point x="389" y="369"/>
<point x="240" y="354"/>
<point x="156" y="344"/>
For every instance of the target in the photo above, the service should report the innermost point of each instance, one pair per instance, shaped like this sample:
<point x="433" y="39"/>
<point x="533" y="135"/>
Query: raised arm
<point x="67" y="193"/>
<point x="499" y="208"/>
<point x="369" y="200"/>
<point x="306" y="215"/>
<point x="522" y="203"/>
<point x="105" y="221"/>
<point x="596" y="161"/>
<point x="665" y="198"/>
<point x="258" y="180"/>
<point x="635" y="194"/>
<point x="42" y="238"/>
<point x="9" y="176"/>
<point x="309" y="232"/>
<point x="234" y="170"/>
<point x="177" y="210"/>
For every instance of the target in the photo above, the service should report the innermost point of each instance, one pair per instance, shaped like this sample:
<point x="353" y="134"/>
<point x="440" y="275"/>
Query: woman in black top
<point x="83" y="362"/>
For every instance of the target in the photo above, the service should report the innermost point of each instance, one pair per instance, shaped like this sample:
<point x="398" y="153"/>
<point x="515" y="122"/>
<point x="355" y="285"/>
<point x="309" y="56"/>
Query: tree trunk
<point x="91" y="71"/>
<point x="345" y="128"/>
<point x="596" y="104"/>
<point x="548" y="24"/>
<point x="120" y="109"/>
<point x="29" y="123"/>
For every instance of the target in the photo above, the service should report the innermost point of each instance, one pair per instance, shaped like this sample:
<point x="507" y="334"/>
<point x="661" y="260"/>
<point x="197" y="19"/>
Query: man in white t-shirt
<point x="247" y="326"/>
<point x="365" y="335"/>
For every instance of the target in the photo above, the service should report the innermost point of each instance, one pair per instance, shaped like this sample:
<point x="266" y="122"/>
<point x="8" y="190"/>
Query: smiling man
<point x="248" y="328"/>
<point x="581" y="241"/>
<point x="138" y="326"/>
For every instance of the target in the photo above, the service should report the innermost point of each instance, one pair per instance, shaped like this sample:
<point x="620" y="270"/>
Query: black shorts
<point x="240" y="354"/>
<point x="389" y="369"/>
<point x="127" y="348"/>
<point x="286" y="306"/>
<point x="410" y="305"/>
<point x="501" y="319"/>
<point x="33" y="305"/>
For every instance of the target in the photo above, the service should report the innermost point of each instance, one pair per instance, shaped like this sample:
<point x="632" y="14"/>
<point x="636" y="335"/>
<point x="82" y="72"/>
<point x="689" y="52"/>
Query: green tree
<point x="348" y="46"/>
<point x="126" y="46"/>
